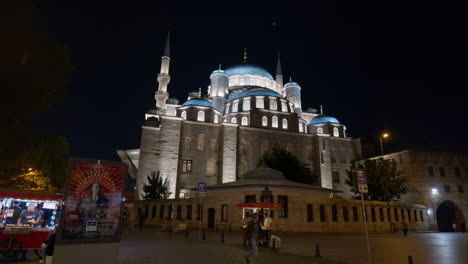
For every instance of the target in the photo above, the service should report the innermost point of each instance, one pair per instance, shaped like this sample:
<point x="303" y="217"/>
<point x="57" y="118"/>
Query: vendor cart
<point x="14" y="240"/>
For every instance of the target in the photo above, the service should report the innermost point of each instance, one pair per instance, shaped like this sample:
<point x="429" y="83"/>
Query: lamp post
<point x="434" y="194"/>
<point x="385" y="135"/>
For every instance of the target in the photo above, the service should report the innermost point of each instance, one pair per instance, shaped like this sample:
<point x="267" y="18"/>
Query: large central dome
<point x="248" y="69"/>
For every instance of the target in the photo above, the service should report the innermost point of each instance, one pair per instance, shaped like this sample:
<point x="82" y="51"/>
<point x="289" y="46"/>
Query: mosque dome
<point x="247" y="91"/>
<point x="291" y="84"/>
<point x="320" y="119"/>
<point x="198" y="102"/>
<point x="248" y="69"/>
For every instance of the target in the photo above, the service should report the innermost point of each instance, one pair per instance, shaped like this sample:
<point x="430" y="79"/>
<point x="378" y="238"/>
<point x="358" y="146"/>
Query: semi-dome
<point x="198" y="102"/>
<point x="323" y="119"/>
<point x="247" y="91"/>
<point x="248" y="69"/>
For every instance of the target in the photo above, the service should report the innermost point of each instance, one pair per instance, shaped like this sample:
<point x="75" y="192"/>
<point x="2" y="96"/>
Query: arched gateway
<point x="449" y="216"/>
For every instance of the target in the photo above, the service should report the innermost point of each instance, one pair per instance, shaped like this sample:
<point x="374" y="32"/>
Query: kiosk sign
<point x="362" y="181"/>
<point x="201" y="187"/>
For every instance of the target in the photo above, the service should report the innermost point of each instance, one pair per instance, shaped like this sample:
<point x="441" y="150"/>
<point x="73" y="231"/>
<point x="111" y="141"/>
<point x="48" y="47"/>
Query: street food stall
<point x="248" y="209"/>
<point x="26" y="219"/>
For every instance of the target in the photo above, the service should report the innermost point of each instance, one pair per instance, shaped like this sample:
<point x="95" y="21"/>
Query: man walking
<point x="267" y="224"/>
<point x="405" y="228"/>
<point x="254" y="234"/>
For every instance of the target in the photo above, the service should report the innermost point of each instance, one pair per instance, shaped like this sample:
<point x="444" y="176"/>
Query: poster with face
<point x="93" y="202"/>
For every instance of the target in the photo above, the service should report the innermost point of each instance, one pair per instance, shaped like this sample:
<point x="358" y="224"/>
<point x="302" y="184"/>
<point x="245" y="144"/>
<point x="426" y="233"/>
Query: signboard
<point x="362" y="181"/>
<point x="201" y="187"/>
<point x="93" y="202"/>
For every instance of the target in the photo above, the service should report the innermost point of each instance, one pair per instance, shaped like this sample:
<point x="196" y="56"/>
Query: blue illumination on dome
<point x="323" y="119"/>
<point x="248" y="69"/>
<point x="217" y="71"/>
<point x="247" y="91"/>
<point x="198" y="102"/>
<point x="291" y="84"/>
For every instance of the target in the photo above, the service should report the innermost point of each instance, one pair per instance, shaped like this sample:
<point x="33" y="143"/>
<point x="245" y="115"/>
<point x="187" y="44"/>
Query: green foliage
<point x="383" y="177"/>
<point x="156" y="188"/>
<point x="33" y="70"/>
<point x="288" y="164"/>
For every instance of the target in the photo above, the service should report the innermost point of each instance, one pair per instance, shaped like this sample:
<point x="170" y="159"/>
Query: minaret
<point x="279" y="75"/>
<point x="164" y="78"/>
<point x="219" y="86"/>
<point x="292" y="92"/>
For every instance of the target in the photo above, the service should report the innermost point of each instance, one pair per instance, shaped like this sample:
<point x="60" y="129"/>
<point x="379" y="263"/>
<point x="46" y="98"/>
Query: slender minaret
<point x="164" y="78"/>
<point x="292" y="92"/>
<point x="219" y="86"/>
<point x="279" y="75"/>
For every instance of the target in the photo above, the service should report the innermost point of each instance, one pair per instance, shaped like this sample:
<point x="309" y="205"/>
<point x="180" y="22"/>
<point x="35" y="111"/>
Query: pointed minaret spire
<point x="321" y="109"/>
<point x="290" y="78"/>
<point x="199" y="92"/>
<point x="219" y="67"/>
<point x="245" y="55"/>
<point x="167" y="48"/>
<point x="279" y="76"/>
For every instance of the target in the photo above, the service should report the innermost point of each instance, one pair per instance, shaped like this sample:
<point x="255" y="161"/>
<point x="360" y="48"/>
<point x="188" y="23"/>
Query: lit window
<point x="244" y="121"/>
<point x="227" y="108"/>
<point x="186" y="166"/>
<point x="242" y="167"/>
<point x="273" y="105"/>
<point x="224" y="213"/>
<point x="188" y="143"/>
<point x="234" y="120"/>
<point x="291" y="106"/>
<point x="284" y="107"/>
<point x="246" y="105"/>
<point x="336" y="133"/>
<point x="243" y="148"/>
<point x="259" y="102"/>
<point x="213" y="145"/>
<point x="201" y="142"/>
<point x="216" y="119"/>
<point x="274" y="121"/>
<point x="184" y="115"/>
<point x="319" y="130"/>
<point x="201" y="116"/>
<point x="285" y="123"/>
<point x="301" y="128"/>
<point x="264" y="121"/>
<point x="211" y="167"/>
<point x="235" y="106"/>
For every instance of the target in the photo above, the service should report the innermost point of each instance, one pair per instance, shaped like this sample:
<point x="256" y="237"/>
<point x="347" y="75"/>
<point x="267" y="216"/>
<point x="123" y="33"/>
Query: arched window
<point x="201" y="116"/>
<point x="211" y="167"/>
<point x="244" y="121"/>
<point x="201" y="142"/>
<point x="291" y="106"/>
<point x="234" y="120"/>
<point x="319" y="130"/>
<point x="235" y="106"/>
<point x="344" y="131"/>
<point x="188" y="144"/>
<point x="264" y="147"/>
<point x="284" y="107"/>
<point x="301" y="128"/>
<point x="226" y="111"/>
<point x="213" y="145"/>
<point x="242" y="167"/>
<point x="183" y="115"/>
<point x="264" y="121"/>
<point x="285" y="123"/>
<point x="243" y="148"/>
<point x="246" y="105"/>
<point x="273" y="105"/>
<point x="336" y="133"/>
<point x="259" y="102"/>
<point x="309" y="155"/>
<point x="274" y="121"/>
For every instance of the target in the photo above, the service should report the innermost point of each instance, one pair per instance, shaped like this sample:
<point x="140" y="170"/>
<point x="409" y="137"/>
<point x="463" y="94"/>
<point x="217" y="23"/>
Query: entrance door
<point x="450" y="217"/>
<point x="211" y="218"/>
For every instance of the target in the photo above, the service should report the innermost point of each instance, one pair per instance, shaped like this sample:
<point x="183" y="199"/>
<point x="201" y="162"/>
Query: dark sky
<point x="380" y="65"/>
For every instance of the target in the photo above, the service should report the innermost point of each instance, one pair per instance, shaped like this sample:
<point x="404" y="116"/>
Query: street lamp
<point x="384" y="135"/>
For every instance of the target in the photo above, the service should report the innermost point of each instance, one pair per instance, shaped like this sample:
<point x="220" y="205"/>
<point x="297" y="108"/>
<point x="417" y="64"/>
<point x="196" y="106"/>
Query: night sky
<point x="376" y="66"/>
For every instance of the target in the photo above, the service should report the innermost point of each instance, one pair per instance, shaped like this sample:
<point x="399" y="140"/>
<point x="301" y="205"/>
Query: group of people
<point x="16" y="216"/>
<point x="258" y="230"/>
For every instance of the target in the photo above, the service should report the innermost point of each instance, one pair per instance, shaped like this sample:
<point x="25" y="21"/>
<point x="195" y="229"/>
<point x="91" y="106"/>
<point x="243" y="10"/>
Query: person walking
<point x="254" y="235"/>
<point x="267" y="224"/>
<point x="404" y="225"/>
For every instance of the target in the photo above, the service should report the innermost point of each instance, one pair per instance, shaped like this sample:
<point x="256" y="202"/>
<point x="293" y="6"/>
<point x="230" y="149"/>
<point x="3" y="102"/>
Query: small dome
<point x="291" y="84"/>
<point x="248" y="69"/>
<point x="198" y="102"/>
<point x="323" y="119"/>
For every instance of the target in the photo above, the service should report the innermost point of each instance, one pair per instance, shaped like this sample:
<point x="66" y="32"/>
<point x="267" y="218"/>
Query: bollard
<point x="186" y="232"/>
<point x="222" y="236"/>
<point x="274" y="245"/>
<point x="317" y="251"/>
<point x="203" y="238"/>
<point x="230" y="228"/>
<point x="410" y="260"/>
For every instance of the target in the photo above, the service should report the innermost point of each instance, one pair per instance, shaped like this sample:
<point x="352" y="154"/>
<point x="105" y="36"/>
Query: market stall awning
<point x="269" y="206"/>
<point x="37" y="196"/>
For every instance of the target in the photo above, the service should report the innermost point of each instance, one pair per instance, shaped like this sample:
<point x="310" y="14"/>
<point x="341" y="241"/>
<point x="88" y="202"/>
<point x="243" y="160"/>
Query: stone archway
<point x="448" y="213"/>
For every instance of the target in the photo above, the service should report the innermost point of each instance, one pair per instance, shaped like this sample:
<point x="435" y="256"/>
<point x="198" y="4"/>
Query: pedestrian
<point x="254" y="235"/>
<point x="49" y="248"/>
<point x="267" y="225"/>
<point x="141" y="219"/>
<point x="404" y="225"/>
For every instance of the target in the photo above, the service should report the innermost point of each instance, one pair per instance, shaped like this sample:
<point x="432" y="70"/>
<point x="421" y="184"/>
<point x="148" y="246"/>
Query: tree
<point x="288" y="164"/>
<point x="156" y="188"/>
<point x="385" y="181"/>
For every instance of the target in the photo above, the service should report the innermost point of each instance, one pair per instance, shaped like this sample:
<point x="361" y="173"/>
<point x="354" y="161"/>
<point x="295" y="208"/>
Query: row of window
<point x="410" y="214"/>
<point x="281" y="200"/>
<point x="456" y="172"/>
<point x="200" y="144"/>
<point x="168" y="212"/>
<point x="447" y="188"/>
<point x="259" y="103"/>
<point x="210" y="167"/>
